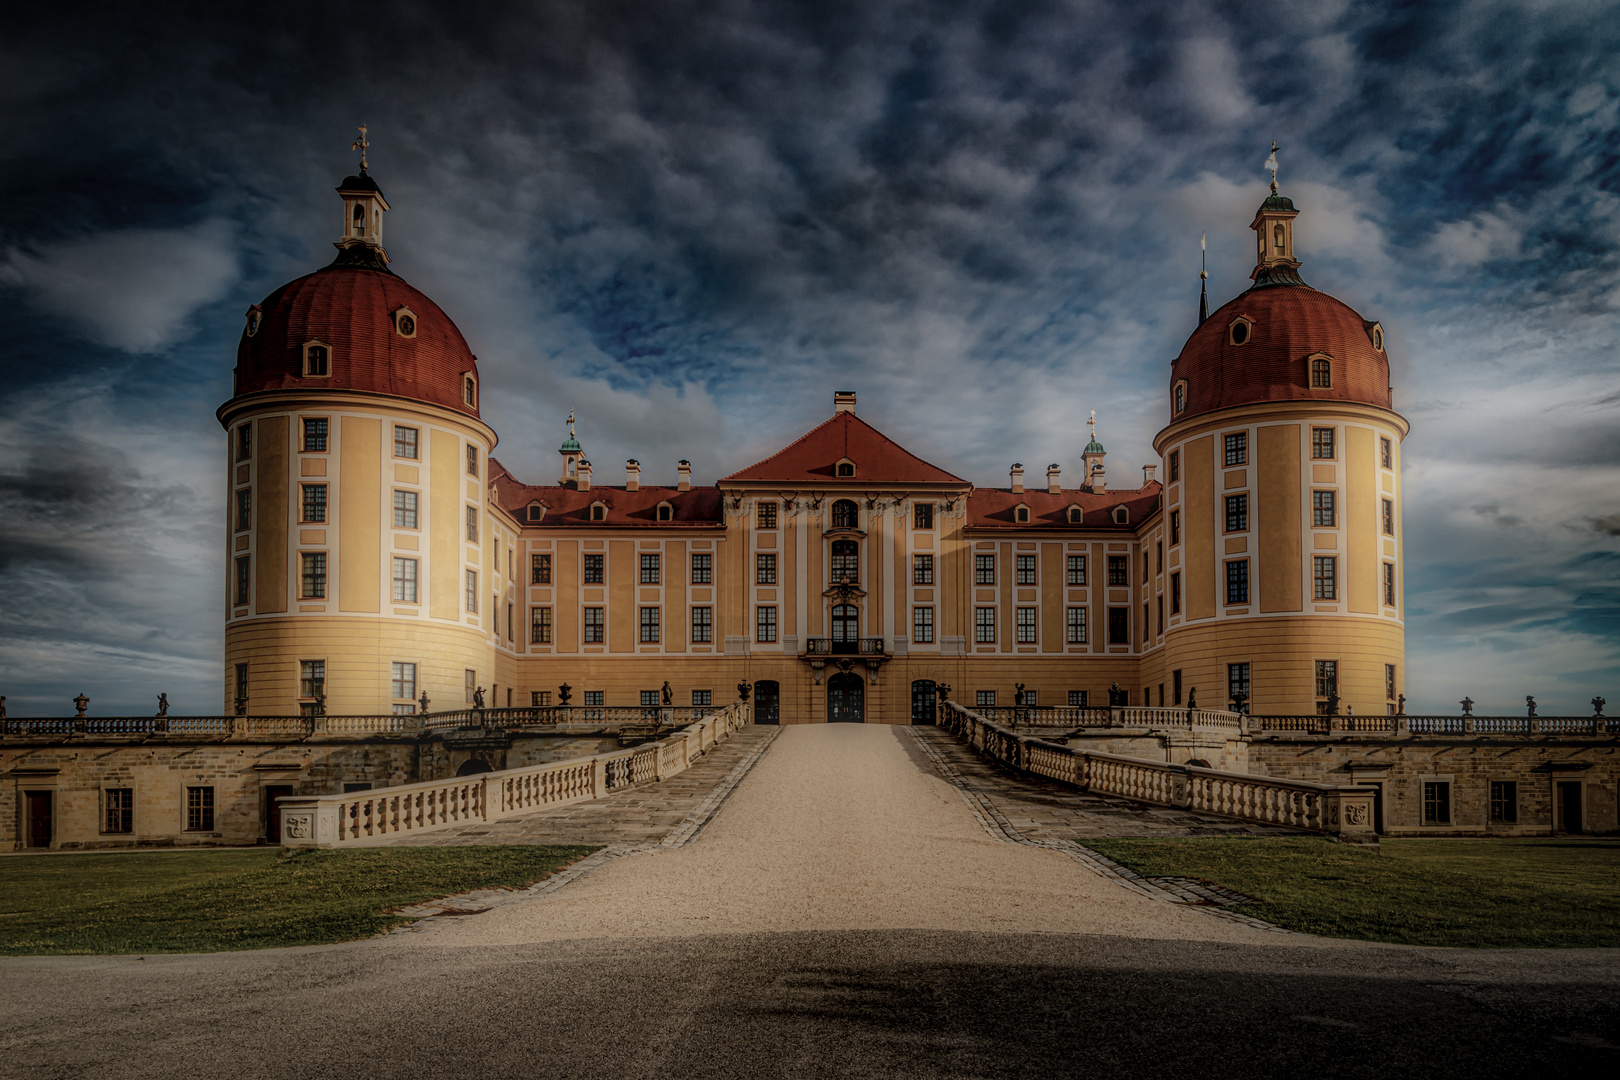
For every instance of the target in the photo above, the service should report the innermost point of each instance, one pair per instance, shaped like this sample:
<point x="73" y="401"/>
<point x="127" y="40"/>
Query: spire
<point x="360" y="243"/>
<point x="1203" y="277"/>
<point x="1273" y="227"/>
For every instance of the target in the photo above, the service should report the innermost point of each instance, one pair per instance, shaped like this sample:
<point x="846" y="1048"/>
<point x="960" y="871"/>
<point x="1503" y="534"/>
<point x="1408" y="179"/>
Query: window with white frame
<point x="922" y="625"/>
<point x="402" y="680"/>
<point x="1026" y="625"/>
<point x="1024" y="569"/>
<point x="1077" y="625"/>
<point x="984" y="625"/>
<point x="404" y="580"/>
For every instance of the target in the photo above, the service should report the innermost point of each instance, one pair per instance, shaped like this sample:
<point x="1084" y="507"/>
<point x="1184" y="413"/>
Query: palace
<point x="382" y="559"/>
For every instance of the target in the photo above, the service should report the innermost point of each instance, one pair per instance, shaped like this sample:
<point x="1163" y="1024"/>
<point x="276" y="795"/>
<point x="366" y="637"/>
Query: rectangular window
<point x="651" y="572"/>
<point x="765" y="515"/>
<point x="1389" y="682"/>
<point x="120" y="810"/>
<point x="1024" y="569"/>
<point x="922" y="569"/>
<point x="469" y="684"/>
<point x="244" y="509"/>
<point x="1144" y="567"/>
<point x="1174" y="469"/>
<point x="402" y="680"/>
<point x="1436" y="802"/>
<point x="1389" y="517"/>
<point x="1146" y="625"/>
<point x="405" y="442"/>
<point x="1175" y="527"/>
<point x="1119" y="626"/>
<point x="1175" y="594"/>
<point x="540" y="699"/>
<point x="1077" y="570"/>
<point x="1237" y="581"/>
<point x="1237" y="448"/>
<point x="1237" y="513"/>
<point x="315" y="430"/>
<point x="509" y="634"/>
<point x="649" y="626"/>
<point x="922" y="624"/>
<point x="1032" y="698"/>
<point x="765" y="623"/>
<point x="1325" y="578"/>
<point x="244" y="578"/>
<point x="702" y="568"/>
<point x="472" y="591"/>
<point x="1026" y="625"/>
<point x="200" y="809"/>
<point x="702" y="699"/>
<point x="472" y="524"/>
<point x="313" y="505"/>
<point x="593" y="569"/>
<point x="1386" y="453"/>
<point x="405" y="509"/>
<point x="1158" y="549"/>
<point x="1119" y="570"/>
<point x="1077" y="626"/>
<point x="1327" y="679"/>
<point x="1237" y="683"/>
<point x="1504" y="803"/>
<point x="244" y="442"/>
<point x="985" y="699"/>
<point x="649" y="699"/>
<point x="404" y="580"/>
<point x="596" y="698"/>
<point x="702" y="624"/>
<point x="1322" y="443"/>
<point x="311" y="678"/>
<point x="765" y="569"/>
<point x="984" y="569"/>
<point x="1077" y="699"/>
<point x="1160" y="601"/>
<point x="314" y="576"/>
<point x="540" y="569"/>
<point x="594" y="626"/>
<point x="472" y="460"/>
<point x="1389" y="584"/>
<point x="540" y="626"/>
<point x="1175" y="686"/>
<point x="1324" y="510"/>
<point x="922" y="515"/>
<point x="984" y="625"/>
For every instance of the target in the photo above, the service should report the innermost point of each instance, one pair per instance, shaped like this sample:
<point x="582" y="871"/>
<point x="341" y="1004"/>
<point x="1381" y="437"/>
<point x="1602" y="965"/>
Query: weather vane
<point x="1271" y="163"/>
<point x="1092" y="424"/>
<point x="570" y="422"/>
<point x="361" y="145"/>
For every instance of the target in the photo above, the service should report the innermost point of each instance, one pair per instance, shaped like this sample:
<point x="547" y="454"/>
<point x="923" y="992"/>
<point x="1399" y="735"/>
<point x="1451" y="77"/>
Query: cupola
<point x="363" y="208"/>
<point x="1095" y="480"/>
<point x="572" y="456"/>
<point x="1273" y="227"/>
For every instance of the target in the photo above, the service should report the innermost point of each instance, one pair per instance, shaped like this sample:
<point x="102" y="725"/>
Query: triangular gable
<point x="812" y="458"/>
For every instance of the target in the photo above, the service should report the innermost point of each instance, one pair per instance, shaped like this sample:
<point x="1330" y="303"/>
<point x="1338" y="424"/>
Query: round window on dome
<point x="254" y="318"/>
<point x="1377" y="335"/>
<point x="405" y="322"/>
<point x="1239" y="331"/>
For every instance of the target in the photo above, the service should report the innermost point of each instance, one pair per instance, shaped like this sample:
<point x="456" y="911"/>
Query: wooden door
<point x="846" y="699"/>
<point x="39" y="818"/>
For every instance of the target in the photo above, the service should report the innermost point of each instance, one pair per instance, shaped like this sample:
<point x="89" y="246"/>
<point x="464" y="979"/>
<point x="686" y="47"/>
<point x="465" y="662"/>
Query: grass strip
<point x="213" y="900"/>
<point x="1497" y="893"/>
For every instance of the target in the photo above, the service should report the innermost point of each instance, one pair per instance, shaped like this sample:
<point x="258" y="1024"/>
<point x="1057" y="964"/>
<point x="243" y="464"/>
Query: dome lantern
<point x="360" y="241"/>
<point x="1273" y="227"/>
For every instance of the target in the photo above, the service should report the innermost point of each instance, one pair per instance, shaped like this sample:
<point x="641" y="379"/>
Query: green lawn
<point x="1534" y="893"/>
<point x="209" y="901"/>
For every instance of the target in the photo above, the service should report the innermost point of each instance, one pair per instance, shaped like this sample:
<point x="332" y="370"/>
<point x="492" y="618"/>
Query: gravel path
<point x="839" y="827"/>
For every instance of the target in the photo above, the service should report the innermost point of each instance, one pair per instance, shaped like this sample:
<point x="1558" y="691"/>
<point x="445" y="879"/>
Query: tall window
<point x="244" y="578"/>
<point x="469" y="391"/>
<point x="846" y="560"/>
<point x="846" y="623"/>
<point x="1237" y="512"/>
<point x="472" y="460"/>
<point x="1504" y="802"/>
<point x="315" y="431"/>
<point x="1321" y="373"/>
<point x="1175" y="527"/>
<point x="472" y="591"/>
<point x="984" y="569"/>
<point x="314" y="576"/>
<point x="1325" y="579"/>
<point x="200" y="803"/>
<point x="120" y="810"/>
<point x="311" y="678"/>
<point x="1237" y="581"/>
<point x="405" y="509"/>
<point x="472" y="524"/>
<point x="1324" y="513"/>
<point x="469" y="684"/>
<point x="244" y="442"/>
<point x="1327" y="680"/>
<point x="244" y="509"/>
<point x="1389" y="584"/>
<point x="1386" y="453"/>
<point x="1119" y="626"/>
<point x="1026" y="625"/>
<point x="845" y="515"/>
<point x="1237" y="684"/>
<point x="313" y="508"/>
<point x="1175" y="594"/>
<point x="922" y="569"/>
<point x="315" y="360"/>
<point x="1322" y="443"/>
<point x="765" y="623"/>
<point x="402" y="680"/>
<point x="1237" y="448"/>
<point x="1158" y="549"/>
<point x="593" y="569"/>
<point x="540" y="626"/>
<point x="984" y="625"/>
<point x="1024" y="569"/>
<point x="649" y="626"/>
<point x="1077" y="570"/>
<point x="404" y="580"/>
<point x="702" y="624"/>
<point x="765" y="569"/>
<point x="922" y="515"/>
<point x="1119" y="570"/>
<point x="650" y="570"/>
<point x="702" y="568"/>
<point x="765" y="514"/>
<point x="1389" y="517"/>
<point x="404" y="442"/>
<point x="1175" y="687"/>
<point x="1436" y="802"/>
<point x="1077" y="626"/>
<point x="922" y="624"/>
<point x="594" y="626"/>
<point x="540" y="569"/>
<point x="1389" y="682"/>
<point x="1174" y="468"/>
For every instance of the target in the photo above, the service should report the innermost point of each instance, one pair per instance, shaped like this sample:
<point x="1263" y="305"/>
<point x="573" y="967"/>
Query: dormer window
<point x="666" y="512"/>
<point x="469" y="391"/>
<point x="845" y="469"/>
<point x="535" y="512"/>
<point x="1076" y="515"/>
<point x="1122" y="516"/>
<point x="1321" y="372"/>
<point x="1179" y="397"/>
<point x="1238" y="331"/>
<point x="1021" y="514"/>
<point x="598" y="511"/>
<point x="254" y="317"/>
<point x="405" y="323"/>
<point x="317" y="359"/>
<point x="1377" y="334"/>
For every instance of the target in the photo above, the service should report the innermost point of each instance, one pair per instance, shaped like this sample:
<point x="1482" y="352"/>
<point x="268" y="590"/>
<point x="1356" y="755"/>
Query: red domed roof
<point x="352" y="310"/>
<point x="1288" y="325"/>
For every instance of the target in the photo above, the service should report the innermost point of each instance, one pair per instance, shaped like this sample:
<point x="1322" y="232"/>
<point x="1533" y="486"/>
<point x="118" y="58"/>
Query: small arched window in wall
<point x="1321" y="373"/>
<point x="845" y="515"/>
<point x="1238" y="331"/>
<point x="666" y="512"/>
<point x="1178" y="397"/>
<point x="1021" y="514"/>
<point x="1076" y="515"/>
<point x="598" y="511"/>
<point x="317" y="359"/>
<point x="845" y="468"/>
<point x="846" y="561"/>
<point x="359" y="219"/>
<point x="536" y="512"/>
<point x="1277" y="237"/>
<point x="405" y="323"/>
<point x="1122" y="516"/>
<point x="469" y="391"/>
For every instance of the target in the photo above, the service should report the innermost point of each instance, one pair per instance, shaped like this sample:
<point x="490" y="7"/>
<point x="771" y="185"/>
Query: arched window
<point x="846" y="561"/>
<point x="359" y="220"/>
<point x="1076" y="515"/>
<point x="1122" y="516"/>
<point x="598" y="512"/>
<point x="1181" y="396"/>
<point x="536" y="511"/>
<point x="317" y="359"/>
<point x="846" y="468"/>
<point x="666" y="512"/>
<point x="846" y="622"/>
<point x="1321" y="373"/>
<point x="845" y="515"/>
<point x="1277" y="237"/>
<point x="469" y="390"/>
<point x="1021" y="515"/>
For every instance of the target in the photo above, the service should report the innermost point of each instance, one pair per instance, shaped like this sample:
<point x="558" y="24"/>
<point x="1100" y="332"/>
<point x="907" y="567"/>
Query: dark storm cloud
<point x="691" y="219"/>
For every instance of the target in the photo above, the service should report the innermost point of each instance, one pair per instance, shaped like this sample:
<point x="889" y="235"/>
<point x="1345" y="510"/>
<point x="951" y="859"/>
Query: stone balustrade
<point x="1341" y="811"/>
<point x="362" y="817"/>
<point x="1130" y="716"/>
<point x="1380" y="724"/>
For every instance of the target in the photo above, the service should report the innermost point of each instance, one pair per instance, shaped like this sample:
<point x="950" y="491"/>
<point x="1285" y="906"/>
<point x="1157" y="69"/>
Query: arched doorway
<point x="922" y="701"/>
<point x="767" y="702"/>
<point x="473" y="766"/>
<point x="846" y="699"/>
<point x="846" y="628"/>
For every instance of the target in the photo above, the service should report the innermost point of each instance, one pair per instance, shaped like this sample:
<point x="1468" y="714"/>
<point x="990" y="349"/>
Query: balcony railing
<point x="866" y="646"/>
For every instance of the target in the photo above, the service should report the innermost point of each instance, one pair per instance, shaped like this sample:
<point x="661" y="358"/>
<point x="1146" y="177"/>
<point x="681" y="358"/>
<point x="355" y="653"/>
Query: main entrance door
<point x="922" y="701"/>
<point x="767" y="702"/>
<point x="39" y="818"/>
<point x="846" y="699"/>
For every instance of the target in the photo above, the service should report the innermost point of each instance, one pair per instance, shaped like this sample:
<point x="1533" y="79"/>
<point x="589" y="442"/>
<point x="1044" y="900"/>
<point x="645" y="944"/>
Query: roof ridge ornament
<point x="362" y="144"/>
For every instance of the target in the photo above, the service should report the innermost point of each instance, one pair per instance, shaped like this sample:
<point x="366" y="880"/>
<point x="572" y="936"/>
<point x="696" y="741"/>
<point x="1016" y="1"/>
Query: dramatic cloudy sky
<point x="691" y="220"/>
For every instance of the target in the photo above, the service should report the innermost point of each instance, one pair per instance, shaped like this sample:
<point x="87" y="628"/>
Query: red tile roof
<point x="992" y="508"/>
<point x="565" y="506"/>
<point x="877" y="458"/>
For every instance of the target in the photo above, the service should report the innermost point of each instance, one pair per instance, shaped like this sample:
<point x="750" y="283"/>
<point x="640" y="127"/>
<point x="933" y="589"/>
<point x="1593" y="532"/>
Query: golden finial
<point x="1092" y="424"/>
<point x="361" y="145"/>
<point x="1271" y="163"/>
<point x="570" y="422"/>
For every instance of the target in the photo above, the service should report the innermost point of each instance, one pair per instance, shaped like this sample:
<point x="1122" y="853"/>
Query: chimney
<point x="583" y="474"/>
<point x="632" y="475"/>
<point x="683" y="469"/>
<point x="1053" y="486"/>
<point x="1017" y="475"/>
<point x="843" y="401"/>
<point x="1148" y="472"/>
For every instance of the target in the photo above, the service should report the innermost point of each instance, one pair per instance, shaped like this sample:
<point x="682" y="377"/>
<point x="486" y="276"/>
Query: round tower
<point x="360" y="571"/>
<point x="1283" y="498"/>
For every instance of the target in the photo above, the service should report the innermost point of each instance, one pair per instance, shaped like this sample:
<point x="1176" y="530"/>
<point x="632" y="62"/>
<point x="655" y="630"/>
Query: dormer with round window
<point x="1376" y="333"/>
<point x="405" y="322"/>
<point x="1240" y="330"/>
<point x="255" y="316"/>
